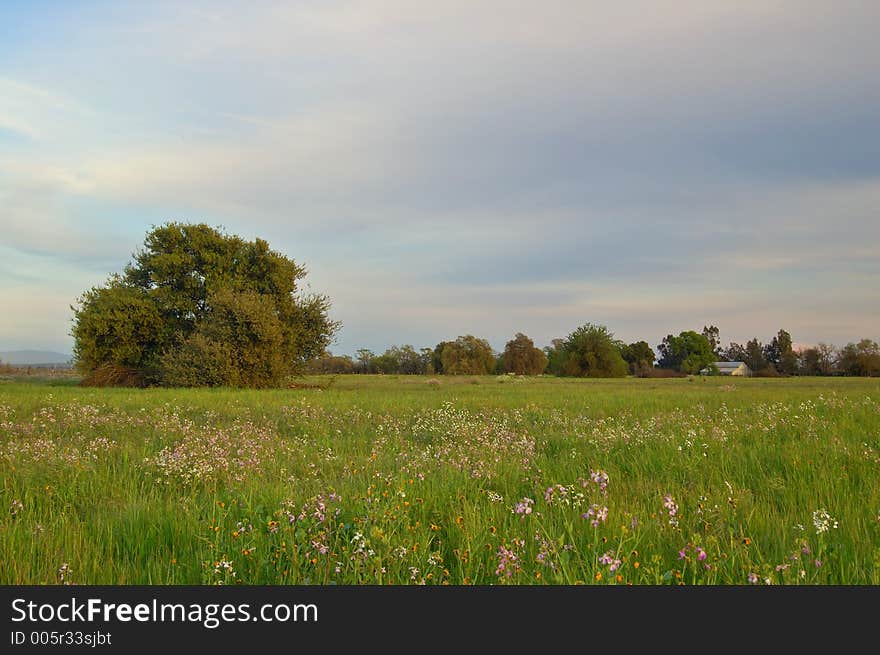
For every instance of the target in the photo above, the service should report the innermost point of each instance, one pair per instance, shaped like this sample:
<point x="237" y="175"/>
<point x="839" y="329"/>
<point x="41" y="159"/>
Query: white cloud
<point x="567" y="160"/>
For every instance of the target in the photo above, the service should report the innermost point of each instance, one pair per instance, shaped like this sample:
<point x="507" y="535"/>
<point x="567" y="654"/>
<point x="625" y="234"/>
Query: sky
<point x="479" y="167"/>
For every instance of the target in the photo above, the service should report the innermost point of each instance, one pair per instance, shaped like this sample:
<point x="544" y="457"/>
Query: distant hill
<point x="33" y="357"/>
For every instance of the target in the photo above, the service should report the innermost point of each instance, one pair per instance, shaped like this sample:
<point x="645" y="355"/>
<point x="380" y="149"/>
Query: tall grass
<point x="394" y="480"/>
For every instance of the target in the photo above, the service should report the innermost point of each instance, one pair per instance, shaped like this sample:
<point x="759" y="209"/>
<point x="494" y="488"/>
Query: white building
<point x="730" y="368"/>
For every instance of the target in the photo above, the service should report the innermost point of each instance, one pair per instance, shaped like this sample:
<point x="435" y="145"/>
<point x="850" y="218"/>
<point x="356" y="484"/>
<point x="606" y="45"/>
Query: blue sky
<point x="458" y="167"/>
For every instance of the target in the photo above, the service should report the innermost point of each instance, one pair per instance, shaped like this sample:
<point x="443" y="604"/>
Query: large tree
<point x="365" y="358"/>
<point x="522" y="357"/>
<point x="735" y="352"/>
<point x="753" y="356"/>
<point x="780" y="354"/>
<point x="862" y="358"/>
<point x="689" y="352"/>
<point x="467" y="355"/>
<point x="589" y="351"/>
<point x="409" y="361"/>
<point x="827" y="355"/>
<point x="639" y="356"/>
<point x="712" y="333"/>
<point x="808" y="362"/>
<point x="200" y="307"/>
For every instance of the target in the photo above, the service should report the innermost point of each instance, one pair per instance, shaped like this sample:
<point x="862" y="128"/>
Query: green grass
<point x="398" y="480"/>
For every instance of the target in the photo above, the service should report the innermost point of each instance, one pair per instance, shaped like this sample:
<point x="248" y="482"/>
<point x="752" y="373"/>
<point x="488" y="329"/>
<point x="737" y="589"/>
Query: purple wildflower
<point x="671" y="506"/>
<point x="607" y="559"/>
<point x="600" y="478"/>
<point x="524" y="507"/>
<point x="508" y="562"/>
<point x="596" y="515"/>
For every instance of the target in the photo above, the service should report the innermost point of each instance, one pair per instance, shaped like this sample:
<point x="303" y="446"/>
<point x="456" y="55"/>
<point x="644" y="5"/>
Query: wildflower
<point x="508" y="562"/>
<point x="823" y="521"/>
<point x="753" y="578"/>
<point x="546" y="553"/>
<point x="16" y="507"/>
<point x="818" y="563"/>
<point x="600" y="478"/>
<point x="64" y="572"/>
<point x="701" y="554"/>
<point x="596" y="515"/>
<point x="361" y="549"/>
<point x="223" y="566"/>
<point x="607" y="559"/>
<point x="524" y="507"/>
<point x="671" y="507"/>
<point x="553" y="490"/>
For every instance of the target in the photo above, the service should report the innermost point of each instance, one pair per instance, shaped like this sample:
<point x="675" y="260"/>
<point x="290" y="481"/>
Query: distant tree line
<point x="199" y="307"/>
<point x="592" y="351"/>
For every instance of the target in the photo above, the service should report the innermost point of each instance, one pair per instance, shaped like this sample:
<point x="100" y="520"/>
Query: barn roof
<point x="729" y="364"/>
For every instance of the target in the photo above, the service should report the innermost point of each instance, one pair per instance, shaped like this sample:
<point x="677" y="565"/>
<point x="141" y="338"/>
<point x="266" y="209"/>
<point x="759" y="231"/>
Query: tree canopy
<point x="689" y="352"/>
<point x="862" y="358"/>
<point x="467" y="355"/>
<point x="589" y="351"/>
<point x="639" y="356"/>
<point x="520" y="356"/>
<point x="197" y="307"/>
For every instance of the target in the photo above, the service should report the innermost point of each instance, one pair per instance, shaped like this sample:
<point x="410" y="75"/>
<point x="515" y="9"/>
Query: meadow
<point x="453" y="480"/>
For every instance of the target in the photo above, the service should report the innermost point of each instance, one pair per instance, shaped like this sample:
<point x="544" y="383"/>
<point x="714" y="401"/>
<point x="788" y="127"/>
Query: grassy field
<point x="406" y="480"/>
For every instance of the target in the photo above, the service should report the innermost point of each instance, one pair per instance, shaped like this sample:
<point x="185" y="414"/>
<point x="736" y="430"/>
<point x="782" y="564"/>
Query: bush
<point x="767" y="372"/>
<point x="113" y="375"/>
<point x="662" y="373"/>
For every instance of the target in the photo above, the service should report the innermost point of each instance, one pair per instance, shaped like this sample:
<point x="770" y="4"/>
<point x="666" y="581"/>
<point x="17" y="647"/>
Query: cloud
<point x="458" y="166"/>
